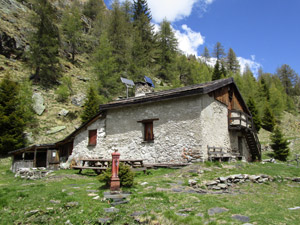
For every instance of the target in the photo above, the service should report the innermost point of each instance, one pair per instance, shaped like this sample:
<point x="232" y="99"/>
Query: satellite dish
<point x="149" y="81"/>
<point x="128" y="83"/>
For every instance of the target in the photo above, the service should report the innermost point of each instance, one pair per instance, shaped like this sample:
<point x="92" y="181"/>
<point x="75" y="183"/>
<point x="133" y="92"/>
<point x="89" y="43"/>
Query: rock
<point x="222" y="186"/>
<point x="96" y="198"/>
<point x="144" y="183"/>
<point x="71" y="204"/>
<point x="241" y="218"/>
<point x="111" y="210"/>
<point x="57" y="129"/>
<point x="32" y="212"/>
<point x="200" y="215"/>
<point x="29" y="137"/>
<point x="216" y="188"/>
<point x="296" y="179"/>
<point x="119" y="202"/>
<point x="68" y="222"/>
<point x="216" y="210"/>
<point x="63" y="112"/>
<point x="138" y="213"/>
<point x="222" y="179"/>
<point x="38" y="103"/>
<point x="181" y="214"/>
<point x="192" y="182"/>
<point x="93" y="191"/>
<point x="92" y="195"/>
<point x="84" y="79"/>
<point x="104" y="220"/>
<point x="295" y="208"/>
<point x="55" y="201"/>
<point x="254" y="177"/>
<point x="78" y="100"/>
<point x="211" y="183"/>
<point x="177" y="190"/>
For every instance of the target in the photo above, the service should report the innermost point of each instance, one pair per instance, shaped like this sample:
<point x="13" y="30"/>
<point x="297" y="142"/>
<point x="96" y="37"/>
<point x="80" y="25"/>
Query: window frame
<point x="92" y="141"/>
<point x="148" y="135"/>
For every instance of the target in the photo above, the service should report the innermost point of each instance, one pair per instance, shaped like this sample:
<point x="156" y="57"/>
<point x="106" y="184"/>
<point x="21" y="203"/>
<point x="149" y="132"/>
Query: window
<point x="148" y="129"/>
<point x="148" y="132"/>
<point x="92" y="137"/>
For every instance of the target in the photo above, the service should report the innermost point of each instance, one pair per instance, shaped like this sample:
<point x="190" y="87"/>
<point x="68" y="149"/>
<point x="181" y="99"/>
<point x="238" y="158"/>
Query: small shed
<point x="46" y="155"/>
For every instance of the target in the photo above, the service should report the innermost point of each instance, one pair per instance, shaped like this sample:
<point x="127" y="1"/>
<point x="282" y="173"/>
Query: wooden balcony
<point x="238" y="120"/>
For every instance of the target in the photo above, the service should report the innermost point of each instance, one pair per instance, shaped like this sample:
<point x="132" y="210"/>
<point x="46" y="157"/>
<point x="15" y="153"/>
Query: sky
<point x="262" y="33"/>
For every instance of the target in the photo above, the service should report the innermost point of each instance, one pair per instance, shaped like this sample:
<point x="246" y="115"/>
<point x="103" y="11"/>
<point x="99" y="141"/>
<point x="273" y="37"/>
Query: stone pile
<point x="32" y="173"/>
<point x="226" y="182"/>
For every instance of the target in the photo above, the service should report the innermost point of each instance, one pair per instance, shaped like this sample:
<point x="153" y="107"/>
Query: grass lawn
<point x="164" y="199"/>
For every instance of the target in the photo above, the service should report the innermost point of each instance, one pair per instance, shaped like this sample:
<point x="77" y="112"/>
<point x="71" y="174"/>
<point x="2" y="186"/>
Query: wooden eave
<point x="33" y="148"/>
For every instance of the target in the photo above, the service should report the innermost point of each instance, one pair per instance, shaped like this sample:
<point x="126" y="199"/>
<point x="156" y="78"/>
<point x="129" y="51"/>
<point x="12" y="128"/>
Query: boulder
<point x="38" y="103"/>
<point x="78" y="100"/>
<point x="54" y="130"/>
<point x="63" y="112"/>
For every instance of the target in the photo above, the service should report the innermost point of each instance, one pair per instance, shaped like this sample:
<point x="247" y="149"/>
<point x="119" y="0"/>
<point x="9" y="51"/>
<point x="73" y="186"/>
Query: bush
<point x="126" y="176"/>
<point x="62" y="93"/>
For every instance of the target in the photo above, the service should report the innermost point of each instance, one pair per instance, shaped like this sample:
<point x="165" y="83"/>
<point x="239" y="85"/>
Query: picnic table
<point x="99" y="165"/>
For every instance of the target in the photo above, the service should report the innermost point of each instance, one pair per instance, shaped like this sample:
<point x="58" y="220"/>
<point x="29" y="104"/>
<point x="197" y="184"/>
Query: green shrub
<point x="126" y="176"/>
<point x="62" y="93"/>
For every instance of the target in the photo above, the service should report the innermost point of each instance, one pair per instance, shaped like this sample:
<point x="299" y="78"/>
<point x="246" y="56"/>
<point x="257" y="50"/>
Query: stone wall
<point x="184" y="129"/>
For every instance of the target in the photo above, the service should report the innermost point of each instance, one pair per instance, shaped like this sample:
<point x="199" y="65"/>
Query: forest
<point x="122" y="42"/>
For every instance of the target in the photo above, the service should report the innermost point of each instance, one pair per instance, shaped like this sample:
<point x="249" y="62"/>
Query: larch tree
<point x="44" y="45"/>
<point x="206" y="54"/>
<point x="72" y="30"/>
<point x="12" y="125"/>
<point x="144" y="48"/>
<point x="287" y="77"/>
<point x="232" y="62"/>
<point x="167" y="43"/>
<point x="219" y="52"/>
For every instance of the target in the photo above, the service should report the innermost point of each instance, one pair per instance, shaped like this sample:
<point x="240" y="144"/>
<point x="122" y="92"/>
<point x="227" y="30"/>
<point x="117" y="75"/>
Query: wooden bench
<point x="97" y="169"/>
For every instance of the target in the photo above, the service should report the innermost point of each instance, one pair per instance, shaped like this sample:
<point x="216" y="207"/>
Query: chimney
<point x="142" y="88"/>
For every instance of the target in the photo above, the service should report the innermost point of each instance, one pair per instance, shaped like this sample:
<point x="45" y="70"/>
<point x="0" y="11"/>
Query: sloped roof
<point x="196" y="89"/>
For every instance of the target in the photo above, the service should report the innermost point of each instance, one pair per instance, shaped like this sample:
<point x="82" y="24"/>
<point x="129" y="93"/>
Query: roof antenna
<point x="128" y="83"/>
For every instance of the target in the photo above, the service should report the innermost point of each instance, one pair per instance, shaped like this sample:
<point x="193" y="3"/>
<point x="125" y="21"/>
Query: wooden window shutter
<point x="92" y="137"/>
<point x="149" y="136"/>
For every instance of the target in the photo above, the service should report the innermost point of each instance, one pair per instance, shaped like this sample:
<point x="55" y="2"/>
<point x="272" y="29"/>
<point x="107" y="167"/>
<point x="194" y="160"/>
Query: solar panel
<point x="127" y="82"/>
<point x="149" y="81"/>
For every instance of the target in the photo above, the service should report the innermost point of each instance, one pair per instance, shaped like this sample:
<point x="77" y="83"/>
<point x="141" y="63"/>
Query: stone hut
<point x="187" y="124"/>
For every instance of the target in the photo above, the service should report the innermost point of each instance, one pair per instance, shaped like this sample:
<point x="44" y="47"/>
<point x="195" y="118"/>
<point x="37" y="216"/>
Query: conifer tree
<point x="92" y="8"/>
<point x="91" y="106"/>
<point x="206" y="54"/>
<point x="72" y="29"/>
<point x="279" y="145"/>
<point x="167" y="43"/>
<point x="44" y="45"/>
<point x="268" y="120"/>
<point x="232" y="62"/>
<point x="254" y="112"/>
<point x="12" y="124"/>
<point x="106" y="68"/>
<point x="144" y="49"/>
<point x="219" y="52"/>
<point x="287" y="77"/>
<point x="217" y="74"/>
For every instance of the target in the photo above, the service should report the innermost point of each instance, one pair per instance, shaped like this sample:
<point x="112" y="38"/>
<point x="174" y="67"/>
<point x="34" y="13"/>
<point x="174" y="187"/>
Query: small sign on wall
<point x="53" y="154"/>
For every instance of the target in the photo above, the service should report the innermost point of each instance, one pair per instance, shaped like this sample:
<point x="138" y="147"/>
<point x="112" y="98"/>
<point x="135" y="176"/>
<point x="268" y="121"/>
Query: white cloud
<point x="174" y="10"/>
<point x="253" y="65"/>
<point x="189" y="40"/>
